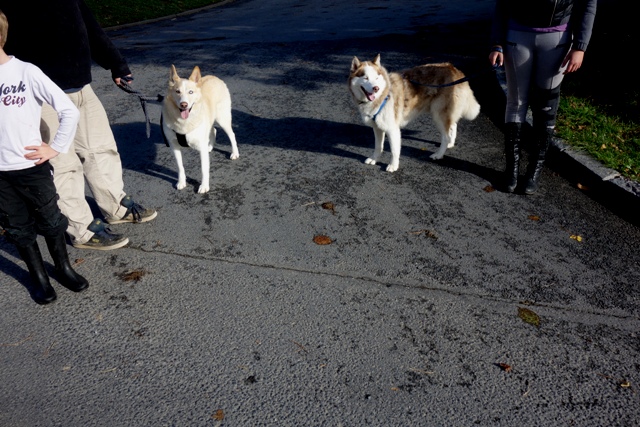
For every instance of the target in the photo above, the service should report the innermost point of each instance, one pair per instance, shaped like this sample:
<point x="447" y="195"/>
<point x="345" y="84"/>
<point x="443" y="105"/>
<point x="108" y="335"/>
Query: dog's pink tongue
<point x="184" y="114"/>
<point x="371" y="96"/>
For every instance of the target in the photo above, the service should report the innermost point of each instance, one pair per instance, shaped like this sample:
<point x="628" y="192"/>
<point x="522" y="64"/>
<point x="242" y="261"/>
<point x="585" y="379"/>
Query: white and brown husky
<point x="389" y="101"/>
<point x="189" y="111"/>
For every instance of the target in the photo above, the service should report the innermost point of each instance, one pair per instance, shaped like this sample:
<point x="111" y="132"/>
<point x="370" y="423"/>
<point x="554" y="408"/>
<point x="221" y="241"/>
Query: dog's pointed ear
<point x="173" y="74"/>
<point x="355" y="64"/>
<point x="377" y="60"/>
<point x="195" y="74"/>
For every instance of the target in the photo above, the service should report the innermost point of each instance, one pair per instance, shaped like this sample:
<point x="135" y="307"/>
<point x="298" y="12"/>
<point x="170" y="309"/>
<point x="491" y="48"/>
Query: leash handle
<point x="125" y="86"/>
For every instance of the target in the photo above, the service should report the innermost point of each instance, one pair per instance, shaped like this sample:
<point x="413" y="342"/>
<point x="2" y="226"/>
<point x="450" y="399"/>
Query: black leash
<point x="456" y="82"/>
<point x="124" y="85"/>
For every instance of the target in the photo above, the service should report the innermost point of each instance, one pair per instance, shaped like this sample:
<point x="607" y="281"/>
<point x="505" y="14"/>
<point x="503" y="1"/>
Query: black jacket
<point x="62" y="38"/>
<point x="579" y="14"/>
<point x="546" y="13"/>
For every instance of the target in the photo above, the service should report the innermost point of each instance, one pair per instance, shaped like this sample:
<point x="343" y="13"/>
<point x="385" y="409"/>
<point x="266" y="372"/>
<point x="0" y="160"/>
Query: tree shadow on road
<point x="287" y="135"/>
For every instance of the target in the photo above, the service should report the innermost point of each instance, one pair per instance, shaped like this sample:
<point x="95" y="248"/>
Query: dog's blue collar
<point x="380" y="109"/>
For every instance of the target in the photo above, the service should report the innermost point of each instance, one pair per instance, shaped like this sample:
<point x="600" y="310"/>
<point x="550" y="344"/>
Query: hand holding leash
<point x="125" y="80"/>
<point x="496" y="57"/>
<point x="123" y="83"/>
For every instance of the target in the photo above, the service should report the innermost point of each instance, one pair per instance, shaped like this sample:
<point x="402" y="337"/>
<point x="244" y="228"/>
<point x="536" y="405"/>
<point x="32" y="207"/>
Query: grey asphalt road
<point x="438" y="303"/>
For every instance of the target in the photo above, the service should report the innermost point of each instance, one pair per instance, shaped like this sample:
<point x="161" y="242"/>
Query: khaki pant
<point x="93" y="156"/>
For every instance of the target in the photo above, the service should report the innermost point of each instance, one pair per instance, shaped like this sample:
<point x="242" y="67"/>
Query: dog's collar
<point x="380" y="109"/>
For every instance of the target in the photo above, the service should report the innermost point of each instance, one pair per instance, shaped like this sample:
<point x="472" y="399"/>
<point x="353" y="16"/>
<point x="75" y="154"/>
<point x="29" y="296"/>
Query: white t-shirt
<point x="23" y="89"/>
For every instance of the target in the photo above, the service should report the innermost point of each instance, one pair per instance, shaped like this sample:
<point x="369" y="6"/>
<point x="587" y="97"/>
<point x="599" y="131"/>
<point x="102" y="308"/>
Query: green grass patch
<point x="112" y="13"/>
<point x="604" y="136"/>
<point x="599" y="112"/>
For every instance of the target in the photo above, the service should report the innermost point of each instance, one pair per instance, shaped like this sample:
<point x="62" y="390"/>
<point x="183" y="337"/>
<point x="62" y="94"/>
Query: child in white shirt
<point x="28" y="197"/>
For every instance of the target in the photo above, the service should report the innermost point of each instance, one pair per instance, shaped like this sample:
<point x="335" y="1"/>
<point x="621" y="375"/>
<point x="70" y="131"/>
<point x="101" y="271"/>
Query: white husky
<point x="189" y="111"/>
<point x="389" y="101"/>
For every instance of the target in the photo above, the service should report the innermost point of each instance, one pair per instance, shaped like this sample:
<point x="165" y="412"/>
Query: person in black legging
<point x="538" y="41"/>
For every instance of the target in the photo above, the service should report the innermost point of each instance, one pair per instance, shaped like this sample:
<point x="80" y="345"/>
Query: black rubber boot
<point x="40" y="288"/>
<point x="65" y="274"/>
<point x="512" y="134"/>
<point x="536" y="163"/>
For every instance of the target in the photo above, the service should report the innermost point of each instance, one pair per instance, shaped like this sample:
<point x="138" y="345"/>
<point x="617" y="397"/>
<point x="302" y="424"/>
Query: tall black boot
<point x="65" y="274"/>
<point x="512" y="134"/>
<point x="536" y="163"/>
<point x="40" y="288"/>
<point x="544" y="108"/>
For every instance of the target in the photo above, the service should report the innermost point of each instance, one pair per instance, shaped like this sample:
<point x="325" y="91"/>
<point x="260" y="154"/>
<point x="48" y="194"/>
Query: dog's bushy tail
<point x="472" y="107"/>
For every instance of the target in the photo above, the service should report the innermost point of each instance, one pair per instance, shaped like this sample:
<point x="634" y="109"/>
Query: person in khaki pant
<point x="69" y="40"/>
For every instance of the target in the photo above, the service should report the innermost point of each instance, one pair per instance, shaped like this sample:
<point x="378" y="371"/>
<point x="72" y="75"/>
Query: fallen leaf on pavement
<point x="534" y="217"/>
<point x="489" y="189"/>
<point x="218" y="415"/>
<point x="321" y="239"/>
<point x="505" y="367"/>
<point x="576" y="237"/>
<point x="528" y="316"/>
<point x="621" y="382"/>
<point x="135" y="275"/>
<point x="329" y="206"/>
<point x="427" y="233"/>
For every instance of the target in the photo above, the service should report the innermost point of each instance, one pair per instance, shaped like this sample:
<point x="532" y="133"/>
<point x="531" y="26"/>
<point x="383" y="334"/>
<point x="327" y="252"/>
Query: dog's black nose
<point x="375" y="89"/>
<point x="183" y="105"/>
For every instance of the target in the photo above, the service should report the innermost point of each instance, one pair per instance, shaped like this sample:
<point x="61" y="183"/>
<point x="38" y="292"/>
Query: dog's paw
<point x="451" y="145"/>
<point x="203" y="189"/>
<point x="370" y="161"/>
<point x="181" y="185"/>
<point x="392" y="168"/>
<point x="436" y="156"/>
<point x="234" y="156"/>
